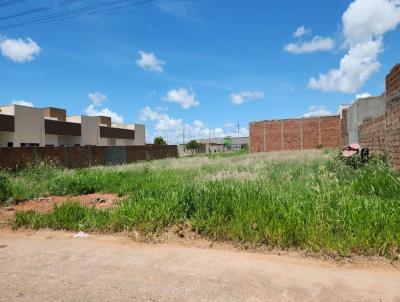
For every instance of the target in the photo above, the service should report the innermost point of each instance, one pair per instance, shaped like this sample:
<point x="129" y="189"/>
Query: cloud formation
<point x="19" y="50"/>
<point x="244" y="96"/>
<point x="22" y="103"/>
<point x="95" y="109"/>
<point x="315" y="111"/>
<point x="364" y="24"/>
<point x="149" y="61"/>
<point x="316" y="44"/>
<point x="301" y="31"/>
<point x="184" y="97"/>
<point x="173" y="129"/>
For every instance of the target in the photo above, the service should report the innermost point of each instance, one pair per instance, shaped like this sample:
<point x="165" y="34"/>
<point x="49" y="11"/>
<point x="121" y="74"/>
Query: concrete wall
<point x="77" y="157"/>
<point x="362" y="110"/>
<point x="29" y="125"/>
<point x="51" y="139"/>
<point x="295" y="134"/>
<point x="140" y="135"/>
<point x="5" y="138"/>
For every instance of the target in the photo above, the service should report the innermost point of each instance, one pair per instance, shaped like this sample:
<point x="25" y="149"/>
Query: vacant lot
<point x="298" y="200"/>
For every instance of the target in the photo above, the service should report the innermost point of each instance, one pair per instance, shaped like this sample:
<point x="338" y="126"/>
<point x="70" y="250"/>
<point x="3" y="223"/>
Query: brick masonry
<point x="371" y="134"/>
<point x="392" y="134"/>
<point x="77" y="157"/>
<point x="295" y="134"/>
<point x="344" y="134"/>
<point x="393" y="81"/>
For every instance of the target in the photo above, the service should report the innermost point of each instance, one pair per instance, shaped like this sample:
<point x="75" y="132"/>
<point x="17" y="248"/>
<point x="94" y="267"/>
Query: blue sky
<point x="202" y="65"/>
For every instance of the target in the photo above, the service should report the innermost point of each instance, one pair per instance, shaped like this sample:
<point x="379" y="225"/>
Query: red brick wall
<point x="330" y="132"/>
<point x="393" y="80"/>
<point x="344" y="134"/>
<point x="77" y="157"/>
<point x="295" y="134"/>
<point x="371" y="135"/>
<point x="393" y="133"/>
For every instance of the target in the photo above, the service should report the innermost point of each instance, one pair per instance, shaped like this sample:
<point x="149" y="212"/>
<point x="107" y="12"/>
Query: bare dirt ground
<point x="53" y="266"/>
<point x="46" y="204"/>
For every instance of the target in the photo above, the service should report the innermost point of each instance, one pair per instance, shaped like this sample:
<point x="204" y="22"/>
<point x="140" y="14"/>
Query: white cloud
<point x="149" y="61"/>
<point x="95" y="109"/>
<point x="22" y="103"/>
<point x="97" y="98"/>
<point x="163" y="121"/>
<point x="301" y="31"/>
<point x="173" y="129"/>
<point x="19" y="50"/>
<point x="363" y="95"/>
<point x="315" y="111"/>
<point x="184" y="97"/>
<point x="316" y="44"/>
<point x="198" y="124"/>
<point x="244" y="96"/>
<point x="364" y="24"/>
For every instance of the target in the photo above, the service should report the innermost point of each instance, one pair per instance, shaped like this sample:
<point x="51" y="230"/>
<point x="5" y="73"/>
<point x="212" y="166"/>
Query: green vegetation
<point x="192" y="145"/>
<point x="159" y="141"/>
<point x="308" y="201"/>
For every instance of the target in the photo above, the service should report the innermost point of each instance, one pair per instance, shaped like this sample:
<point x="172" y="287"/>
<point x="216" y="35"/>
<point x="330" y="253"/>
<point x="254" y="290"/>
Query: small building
<point x="216" y="144"/>
<point x="22" y="126"/>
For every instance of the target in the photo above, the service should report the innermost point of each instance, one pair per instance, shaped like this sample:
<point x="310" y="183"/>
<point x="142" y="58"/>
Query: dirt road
<point x="53" y="266"/>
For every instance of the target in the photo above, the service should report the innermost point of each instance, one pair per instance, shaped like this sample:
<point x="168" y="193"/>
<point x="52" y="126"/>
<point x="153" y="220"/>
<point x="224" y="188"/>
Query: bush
<point x="5" y="189"/>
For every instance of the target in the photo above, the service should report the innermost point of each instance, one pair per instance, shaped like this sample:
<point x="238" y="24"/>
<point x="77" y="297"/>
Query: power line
<point x="85" y="11"/>
<point x="48" y="6"/>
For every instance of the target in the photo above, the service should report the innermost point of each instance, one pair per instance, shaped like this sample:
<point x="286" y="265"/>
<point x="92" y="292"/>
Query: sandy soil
<point x="54" y="266"/>
<point x="46" y="204"/>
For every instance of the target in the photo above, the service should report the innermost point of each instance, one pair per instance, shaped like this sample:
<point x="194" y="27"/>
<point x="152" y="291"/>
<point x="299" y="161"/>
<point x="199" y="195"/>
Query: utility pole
<point x="238" y="129"/>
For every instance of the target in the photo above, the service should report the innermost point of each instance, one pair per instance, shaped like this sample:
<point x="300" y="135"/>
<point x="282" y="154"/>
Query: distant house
<point x="216" y="144"/>
<point x="22" y="126"/>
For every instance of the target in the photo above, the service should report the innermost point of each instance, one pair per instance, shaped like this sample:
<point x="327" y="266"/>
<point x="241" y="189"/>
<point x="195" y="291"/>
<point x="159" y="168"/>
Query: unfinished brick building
<point x="295" y="134"/>
<point x="373" y="122"/>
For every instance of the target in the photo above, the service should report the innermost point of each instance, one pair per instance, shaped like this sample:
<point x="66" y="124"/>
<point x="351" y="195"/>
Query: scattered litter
<point x="80" y="235"/>
<point x="100" y="200"/>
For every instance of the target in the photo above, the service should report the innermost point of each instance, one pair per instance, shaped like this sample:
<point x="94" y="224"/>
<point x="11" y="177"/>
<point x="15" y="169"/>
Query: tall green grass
<point x="316" y="204"/>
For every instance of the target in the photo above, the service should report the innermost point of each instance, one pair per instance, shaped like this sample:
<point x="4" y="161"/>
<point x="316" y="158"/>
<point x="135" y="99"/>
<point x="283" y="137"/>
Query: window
<point x="10" y="144"/>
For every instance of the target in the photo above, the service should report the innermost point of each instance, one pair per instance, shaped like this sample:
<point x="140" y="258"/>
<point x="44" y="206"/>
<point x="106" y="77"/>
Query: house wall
<point x="51" y="139"/>
<point x="29" y="125"/>
<point x="372" y="134"/>
<point x="361" y="110"/>
<point x="393" y="81"/>
<point x="140" y="135"/>
<point x="5" y="138"/>
<point x="295" y="134"/>
<point x="90" y="130"/>
<point x="344" y="134"/>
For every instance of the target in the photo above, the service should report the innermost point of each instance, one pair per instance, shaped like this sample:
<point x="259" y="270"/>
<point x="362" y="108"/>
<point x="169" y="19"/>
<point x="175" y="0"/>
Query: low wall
<point x="295" y="134"/>
<point x="77" y="157"/>
<point x="392" y="133"/>
<point x="371" y="134"/>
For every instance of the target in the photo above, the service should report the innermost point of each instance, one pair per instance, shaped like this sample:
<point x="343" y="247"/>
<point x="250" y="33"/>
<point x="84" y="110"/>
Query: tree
<point x="159" y="141"/>
<point x="192" y="145"/>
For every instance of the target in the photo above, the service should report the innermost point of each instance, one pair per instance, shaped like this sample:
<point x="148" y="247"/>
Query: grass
<point x="301" y="200"/>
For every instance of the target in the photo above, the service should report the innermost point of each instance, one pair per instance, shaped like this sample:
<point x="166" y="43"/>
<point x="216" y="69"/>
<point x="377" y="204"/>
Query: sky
<point x="199" y="67"/>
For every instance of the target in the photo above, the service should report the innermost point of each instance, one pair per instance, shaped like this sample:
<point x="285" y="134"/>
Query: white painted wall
<point x="51" y="139"/>
<point x="90" y="130"/>
<point x="29" y="125"/>
<point x="140" y="135"/>
<point x="6" y="137"/>
<point x="7" y="110"/>
<point x="69" y="141"/>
